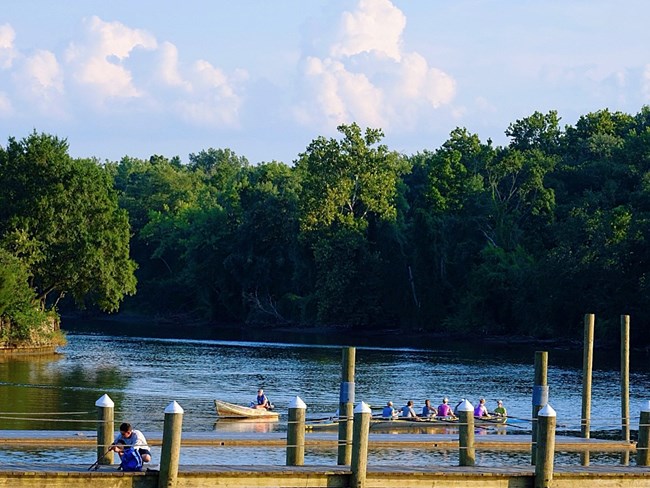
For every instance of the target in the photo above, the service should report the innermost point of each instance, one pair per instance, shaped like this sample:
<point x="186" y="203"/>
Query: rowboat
<point x="231" y="410"/>
<point x="405" y="424"/>
<point x="409" y="424"/>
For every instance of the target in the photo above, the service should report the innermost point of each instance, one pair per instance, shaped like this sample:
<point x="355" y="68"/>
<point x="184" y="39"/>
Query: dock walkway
<point x="514" y="442"/>
<point x="72" y="476"/>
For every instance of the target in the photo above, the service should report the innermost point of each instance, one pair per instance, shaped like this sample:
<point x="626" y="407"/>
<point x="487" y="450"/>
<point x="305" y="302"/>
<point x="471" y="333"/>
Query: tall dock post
<point x="296" y="433"/>
<point x="625" y="385"/>
<point x="346" y="406"/>
<point x="171" y="446"/>
<point x="105" y="429"/>
<point x="642" y="451"/>
<point x="466" y="451"/>
<point x="540" y="397"/>
<point x="359" y="458"/>
<point x="545" y="447"/>
<point x="587" y="365"/>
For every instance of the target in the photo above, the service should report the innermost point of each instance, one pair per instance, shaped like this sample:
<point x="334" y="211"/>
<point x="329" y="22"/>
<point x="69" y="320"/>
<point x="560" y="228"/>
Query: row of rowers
<point x="443" y="411"/>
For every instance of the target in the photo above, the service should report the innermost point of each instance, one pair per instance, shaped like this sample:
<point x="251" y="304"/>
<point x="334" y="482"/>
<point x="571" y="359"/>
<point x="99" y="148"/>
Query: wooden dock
<point x="72" y="476"/>
<point x="320" y="476"/>
<point x="513" y="442"/>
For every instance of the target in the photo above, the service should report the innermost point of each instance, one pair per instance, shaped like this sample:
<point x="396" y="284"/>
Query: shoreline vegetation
<point x="467" y="241"/>
<point x="42" y="337"/>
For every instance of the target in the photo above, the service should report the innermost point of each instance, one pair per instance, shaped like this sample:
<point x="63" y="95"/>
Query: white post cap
<point x="297" y="403"/>
<point x="465" y="406"/>
<point x="104" y="401"/>
<point x="646" y="406"/>
<point x="546" y="411"/>
<point x="174" y="407"/>
<point x="362" y="407"/>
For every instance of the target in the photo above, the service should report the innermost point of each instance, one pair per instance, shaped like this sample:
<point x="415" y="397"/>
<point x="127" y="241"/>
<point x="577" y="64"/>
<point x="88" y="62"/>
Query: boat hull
<point x="381" y="425"/>
<point x="233" y="411"/>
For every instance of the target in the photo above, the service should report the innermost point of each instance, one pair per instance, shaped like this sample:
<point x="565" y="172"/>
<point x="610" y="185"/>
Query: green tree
<point x="265" y="252"/>
<point x="348" y="188"/>
<point x="447" y="205"/>
<point x="61" y="218"/>
<point x="348" y="182"/>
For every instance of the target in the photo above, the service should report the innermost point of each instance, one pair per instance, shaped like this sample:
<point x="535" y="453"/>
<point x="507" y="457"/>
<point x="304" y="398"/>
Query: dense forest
<point x="469" y="238"/>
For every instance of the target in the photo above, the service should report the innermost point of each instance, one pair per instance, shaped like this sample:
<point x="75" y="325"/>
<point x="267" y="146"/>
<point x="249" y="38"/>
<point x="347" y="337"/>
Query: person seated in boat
<point x="408" y="412"/>
<point x="481" y="410"/>
<point x="500" y="411"/>
<point x="262" y="401"/>
<point x="130" y="437"/>
<point x="444" y="410"/>
<point x="428" y="410"/>
<point x="389" y="413"/>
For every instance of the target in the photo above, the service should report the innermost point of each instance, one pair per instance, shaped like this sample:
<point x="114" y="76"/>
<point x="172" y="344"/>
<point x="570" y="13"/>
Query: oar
<point x="332" y="418"/>
<point x="518" y="418"/>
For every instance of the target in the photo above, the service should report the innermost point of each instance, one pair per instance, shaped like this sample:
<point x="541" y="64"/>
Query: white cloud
<point x="214" y="99"/>
<point x="369" y="78"/>
<point x="376" y="26"/>
<point x="168" y="68"/>
<point x="419" y="81"/>
<point x="40" y="80"/>
<point x="110" y="67"/>
<point x="341" y="94"/>
<point x="41" y="72"/>
<point x="98" y="60"/>
<point x="7" y="51"/>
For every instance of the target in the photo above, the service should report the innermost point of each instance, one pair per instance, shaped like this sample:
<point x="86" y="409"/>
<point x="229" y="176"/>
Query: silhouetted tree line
<point x="470" y="237"/>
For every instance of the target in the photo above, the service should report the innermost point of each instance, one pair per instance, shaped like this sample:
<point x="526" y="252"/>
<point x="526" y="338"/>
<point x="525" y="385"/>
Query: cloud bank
<point x="417" y="72"/>
<point x="368" y="77"/>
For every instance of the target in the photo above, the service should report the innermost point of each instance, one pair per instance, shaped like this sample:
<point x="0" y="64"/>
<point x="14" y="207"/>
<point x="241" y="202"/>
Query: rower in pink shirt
<point x="444" y="410"/>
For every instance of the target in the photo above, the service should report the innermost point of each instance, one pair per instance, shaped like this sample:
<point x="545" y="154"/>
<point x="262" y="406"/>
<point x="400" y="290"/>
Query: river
<point x="142" y="375"/>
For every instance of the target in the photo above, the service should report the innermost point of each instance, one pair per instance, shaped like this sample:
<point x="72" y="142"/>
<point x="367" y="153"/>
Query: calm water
<point x="143" y="375"/>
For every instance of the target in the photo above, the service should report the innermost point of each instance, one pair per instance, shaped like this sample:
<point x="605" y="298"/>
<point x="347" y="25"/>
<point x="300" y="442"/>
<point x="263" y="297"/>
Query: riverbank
<point x="28" y="351"/>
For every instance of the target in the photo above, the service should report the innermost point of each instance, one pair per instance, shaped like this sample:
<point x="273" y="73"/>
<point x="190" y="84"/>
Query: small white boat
<point x="231" y="410"/>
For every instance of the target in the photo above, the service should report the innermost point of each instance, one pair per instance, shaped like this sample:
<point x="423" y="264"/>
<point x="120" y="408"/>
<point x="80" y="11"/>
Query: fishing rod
<point x="95" y="465"/>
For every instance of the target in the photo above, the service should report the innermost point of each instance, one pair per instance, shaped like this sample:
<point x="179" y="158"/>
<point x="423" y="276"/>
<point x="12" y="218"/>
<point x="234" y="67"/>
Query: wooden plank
<point x="279" y="439"/>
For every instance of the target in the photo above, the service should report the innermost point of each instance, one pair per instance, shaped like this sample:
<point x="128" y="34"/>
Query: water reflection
<point x="247" y="425"/>
<point x="143" y="375"/>
<point x="276" y="456"/>
<point x="43" y="393"/>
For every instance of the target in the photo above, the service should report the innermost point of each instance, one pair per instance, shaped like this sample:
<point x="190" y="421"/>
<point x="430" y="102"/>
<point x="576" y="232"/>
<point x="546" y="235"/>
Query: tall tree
<point x="347" y="185"/>
<point x="61" y="218"/>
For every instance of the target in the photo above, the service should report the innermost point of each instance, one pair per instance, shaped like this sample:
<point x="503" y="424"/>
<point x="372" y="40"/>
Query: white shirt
<point x="136" y="439"/>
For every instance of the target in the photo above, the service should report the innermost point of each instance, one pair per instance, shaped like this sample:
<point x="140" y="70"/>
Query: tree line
<point x="469" y="238"/>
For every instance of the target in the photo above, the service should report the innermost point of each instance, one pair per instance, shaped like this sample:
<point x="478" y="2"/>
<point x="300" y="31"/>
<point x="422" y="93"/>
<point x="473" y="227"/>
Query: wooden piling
<point x="540" y="396"/>
<point x="105" y="429"/>
<point x="587" y="365"/>
<point x="466" y="450"/>
<point x="346" y="406"/>
<point x="545" y="447"/>
<point x="625" y="385"/>
<point x="296" y="433"/>
<point x="359" y="457"/>
<point x="642" y="445"/>
<point x="171" y="446"/>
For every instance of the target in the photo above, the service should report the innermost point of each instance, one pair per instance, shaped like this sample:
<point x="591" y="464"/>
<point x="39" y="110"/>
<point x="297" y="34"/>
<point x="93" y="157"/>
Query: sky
<point x="264" y="78"/>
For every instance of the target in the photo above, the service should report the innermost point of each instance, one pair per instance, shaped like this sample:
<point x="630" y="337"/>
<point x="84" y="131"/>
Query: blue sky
<point x="264" y="78"/>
